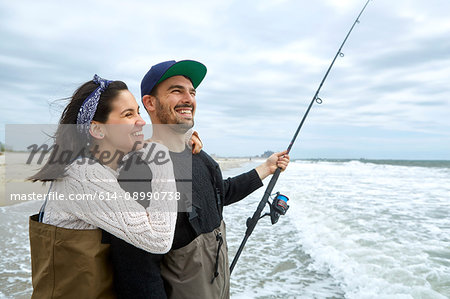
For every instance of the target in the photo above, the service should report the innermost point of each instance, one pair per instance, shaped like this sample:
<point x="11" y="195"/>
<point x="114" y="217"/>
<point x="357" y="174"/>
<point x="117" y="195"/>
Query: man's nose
<point x="188" y="97"/>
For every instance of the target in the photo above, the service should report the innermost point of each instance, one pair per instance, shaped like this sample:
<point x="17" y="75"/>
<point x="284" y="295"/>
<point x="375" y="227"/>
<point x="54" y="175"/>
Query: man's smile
<point x="184" y="112"/>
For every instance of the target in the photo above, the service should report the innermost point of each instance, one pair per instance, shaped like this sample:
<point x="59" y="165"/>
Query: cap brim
<point x="194" y="70"/>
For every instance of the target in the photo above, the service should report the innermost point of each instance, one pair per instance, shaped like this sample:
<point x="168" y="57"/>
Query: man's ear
<point x="149" y="102"/>
<point x="97" y="130"/>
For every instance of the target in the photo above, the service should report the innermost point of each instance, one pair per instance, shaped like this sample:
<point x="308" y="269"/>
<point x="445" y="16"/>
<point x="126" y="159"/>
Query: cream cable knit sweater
<point x="150" y="229"/>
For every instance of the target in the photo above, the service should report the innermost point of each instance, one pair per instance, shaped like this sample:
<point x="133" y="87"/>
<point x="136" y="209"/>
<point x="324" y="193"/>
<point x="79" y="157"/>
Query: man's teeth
<point x="185" y="111"/>
<point x="138" y="133"/>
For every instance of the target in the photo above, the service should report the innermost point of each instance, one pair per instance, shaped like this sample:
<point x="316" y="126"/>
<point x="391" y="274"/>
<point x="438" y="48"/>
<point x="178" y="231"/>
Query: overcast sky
<point x="388" y="97"/>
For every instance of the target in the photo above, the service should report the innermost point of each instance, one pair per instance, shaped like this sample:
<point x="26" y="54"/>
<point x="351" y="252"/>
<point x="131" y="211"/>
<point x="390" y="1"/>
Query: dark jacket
<point x="210" y="193"/>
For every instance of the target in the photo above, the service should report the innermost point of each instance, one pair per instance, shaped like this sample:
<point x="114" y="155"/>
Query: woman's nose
<point x="140" y="121"/>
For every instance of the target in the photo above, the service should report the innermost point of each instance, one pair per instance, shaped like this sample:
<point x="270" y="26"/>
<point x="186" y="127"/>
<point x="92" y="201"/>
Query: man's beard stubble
<point x="163" y="114"/>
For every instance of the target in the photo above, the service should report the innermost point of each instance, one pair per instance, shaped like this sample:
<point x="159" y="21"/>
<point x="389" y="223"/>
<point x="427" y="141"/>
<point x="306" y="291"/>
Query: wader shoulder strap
<point x="41" y="211"/>
<point x="194" y="220"/>
<point x="215" y="179"/>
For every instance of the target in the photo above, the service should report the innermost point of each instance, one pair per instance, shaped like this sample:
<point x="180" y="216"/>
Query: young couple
<point x="117" y="244"/>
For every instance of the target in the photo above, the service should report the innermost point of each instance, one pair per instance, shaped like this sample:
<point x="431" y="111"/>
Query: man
<point x="197" y="266"/>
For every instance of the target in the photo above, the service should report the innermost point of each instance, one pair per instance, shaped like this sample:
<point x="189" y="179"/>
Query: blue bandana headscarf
<point x="89" y="106"/>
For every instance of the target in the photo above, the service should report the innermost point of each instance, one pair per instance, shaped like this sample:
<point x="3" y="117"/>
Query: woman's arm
<point x="115" y="211"/>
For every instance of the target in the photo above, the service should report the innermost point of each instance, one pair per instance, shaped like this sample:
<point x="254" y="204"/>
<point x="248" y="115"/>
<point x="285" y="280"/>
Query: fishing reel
<point x="278" y="207"/>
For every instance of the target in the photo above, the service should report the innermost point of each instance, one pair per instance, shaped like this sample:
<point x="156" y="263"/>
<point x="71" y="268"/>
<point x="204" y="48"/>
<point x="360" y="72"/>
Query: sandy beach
<point x="230" y="163"/>
<point x="13" y="173"/>
<point x="14" y="170"/>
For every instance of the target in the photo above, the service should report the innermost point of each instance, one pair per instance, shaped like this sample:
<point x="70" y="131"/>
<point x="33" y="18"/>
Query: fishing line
<point x="279" y="205"/>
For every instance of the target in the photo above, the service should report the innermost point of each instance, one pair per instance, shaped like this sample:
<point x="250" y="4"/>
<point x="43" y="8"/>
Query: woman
<point x="99" y="126"/>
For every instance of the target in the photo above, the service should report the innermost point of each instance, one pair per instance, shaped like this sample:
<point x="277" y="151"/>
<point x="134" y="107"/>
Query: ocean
<point x="354" y="229"/>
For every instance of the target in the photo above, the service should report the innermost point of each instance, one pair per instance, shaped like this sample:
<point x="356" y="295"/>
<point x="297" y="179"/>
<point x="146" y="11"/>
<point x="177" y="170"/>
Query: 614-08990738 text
<point x="97" y="196"/>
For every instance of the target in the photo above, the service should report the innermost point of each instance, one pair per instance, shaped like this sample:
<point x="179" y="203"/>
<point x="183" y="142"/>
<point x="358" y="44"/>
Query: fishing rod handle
<point x="267" y="193"/>
<point x="251" y="223"/>
<point x="262" y="204"/>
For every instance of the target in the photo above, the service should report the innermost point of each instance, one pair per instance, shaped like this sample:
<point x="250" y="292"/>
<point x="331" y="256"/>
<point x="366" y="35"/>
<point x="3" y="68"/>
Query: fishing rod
<point x="279" y="205"/>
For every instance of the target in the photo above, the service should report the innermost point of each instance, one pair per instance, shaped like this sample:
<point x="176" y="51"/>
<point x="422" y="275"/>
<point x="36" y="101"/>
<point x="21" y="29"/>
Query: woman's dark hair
<point x="69" y="142"/>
